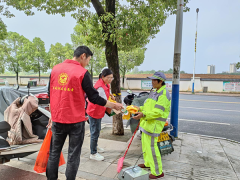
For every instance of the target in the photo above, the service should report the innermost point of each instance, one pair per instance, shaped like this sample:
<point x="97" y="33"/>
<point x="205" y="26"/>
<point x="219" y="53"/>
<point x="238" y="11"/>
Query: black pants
<point x="76" y="136"/>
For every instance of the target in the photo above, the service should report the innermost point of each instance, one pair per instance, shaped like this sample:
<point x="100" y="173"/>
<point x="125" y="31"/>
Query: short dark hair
<point x="163" y="83"/>
<point x="105" y="73"/>
<point x="82" y="49"/>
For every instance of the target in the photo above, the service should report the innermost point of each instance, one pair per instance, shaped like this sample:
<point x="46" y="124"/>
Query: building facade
<point x="232" y="68"/>
<point x="211" y="69"/>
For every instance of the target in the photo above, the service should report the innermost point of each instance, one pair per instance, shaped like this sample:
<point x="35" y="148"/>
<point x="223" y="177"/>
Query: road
<point x="207" y="115"/>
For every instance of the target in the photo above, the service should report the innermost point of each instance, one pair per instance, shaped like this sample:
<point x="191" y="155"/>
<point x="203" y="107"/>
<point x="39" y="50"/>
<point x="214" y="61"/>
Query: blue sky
<point x="218" y="35"/>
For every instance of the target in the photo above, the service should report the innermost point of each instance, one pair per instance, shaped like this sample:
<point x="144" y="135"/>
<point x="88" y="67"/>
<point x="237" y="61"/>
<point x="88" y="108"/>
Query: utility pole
<point x="197" y="10"/>
<point x="176" y="68"/>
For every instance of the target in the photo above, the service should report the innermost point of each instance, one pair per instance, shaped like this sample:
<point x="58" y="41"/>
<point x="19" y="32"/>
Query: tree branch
<point x="98" y="7"/>
<point x="120" y="69"/>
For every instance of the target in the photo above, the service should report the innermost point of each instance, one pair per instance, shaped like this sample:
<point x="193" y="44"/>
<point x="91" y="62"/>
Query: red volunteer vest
<point x="95" y="110"/>
<point x="67" y="100"/>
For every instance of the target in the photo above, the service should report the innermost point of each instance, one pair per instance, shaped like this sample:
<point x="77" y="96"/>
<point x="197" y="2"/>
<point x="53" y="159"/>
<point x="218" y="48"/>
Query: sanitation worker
<point x="69" y="81"/>
<point x="153" y="115"/>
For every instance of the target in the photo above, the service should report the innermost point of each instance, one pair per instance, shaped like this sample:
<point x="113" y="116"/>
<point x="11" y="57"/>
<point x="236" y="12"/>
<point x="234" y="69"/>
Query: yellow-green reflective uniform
<point x="156" y="110"/>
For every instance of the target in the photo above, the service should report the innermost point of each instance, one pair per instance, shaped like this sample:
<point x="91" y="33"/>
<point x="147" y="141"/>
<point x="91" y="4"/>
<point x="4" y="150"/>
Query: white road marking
<point x="209" y="101"/>
<point x="210" y="109"/>
<point x="208" y="122"/>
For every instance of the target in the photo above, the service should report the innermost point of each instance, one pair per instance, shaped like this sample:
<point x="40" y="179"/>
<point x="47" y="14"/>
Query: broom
<point x="120" y="161"/>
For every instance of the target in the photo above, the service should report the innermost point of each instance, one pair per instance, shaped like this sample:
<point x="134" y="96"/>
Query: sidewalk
<point x="195" y="157"/>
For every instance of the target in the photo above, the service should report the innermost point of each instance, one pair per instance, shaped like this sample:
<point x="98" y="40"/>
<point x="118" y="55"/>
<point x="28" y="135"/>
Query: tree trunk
<point x="17" y="70"/>
<point x="39" y="76"/>
<point x="111" y="53"/>
<point x="39" y="69"/>
<point x="112" y="60"/>
<point x="123" y="82"/>
<point x="17" y="77"/>
<point x="124" y="72"/>
<point x="92" y="73"/>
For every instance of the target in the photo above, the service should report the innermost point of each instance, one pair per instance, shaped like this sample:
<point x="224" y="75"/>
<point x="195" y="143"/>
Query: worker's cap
<point x="158" y="75"/>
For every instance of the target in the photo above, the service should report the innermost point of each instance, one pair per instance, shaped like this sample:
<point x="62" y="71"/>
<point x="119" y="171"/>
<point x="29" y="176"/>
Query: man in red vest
<point x="68" y="83"/>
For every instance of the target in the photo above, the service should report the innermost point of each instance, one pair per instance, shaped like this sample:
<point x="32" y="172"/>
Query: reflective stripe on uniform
<point x="154" y="156"/>
<point x="161" y="119"/>
<point x="168" y="95"/>
<point x="159" y="107"/>
<point x="155" y="95"/>
<point x="148" y="133"/>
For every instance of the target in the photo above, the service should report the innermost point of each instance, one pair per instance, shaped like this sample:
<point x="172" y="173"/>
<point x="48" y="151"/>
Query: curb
<point x="213" y="137"/>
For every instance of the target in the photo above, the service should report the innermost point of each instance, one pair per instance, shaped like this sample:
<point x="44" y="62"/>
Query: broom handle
<point x="131" y="139"/>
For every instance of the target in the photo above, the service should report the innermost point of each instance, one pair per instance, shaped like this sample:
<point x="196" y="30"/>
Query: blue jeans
<point x="59" y="134"/>
<point x="95" y="128"/>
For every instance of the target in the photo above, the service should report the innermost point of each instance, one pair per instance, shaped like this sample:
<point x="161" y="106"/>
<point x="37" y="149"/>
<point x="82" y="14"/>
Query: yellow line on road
<point x="210" y="101"/>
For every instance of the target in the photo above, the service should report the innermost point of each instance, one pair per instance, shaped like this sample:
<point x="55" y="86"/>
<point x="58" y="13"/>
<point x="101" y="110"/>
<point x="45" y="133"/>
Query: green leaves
<point x="3" y="28"/>
<point x="58" y="53"/>
<point x="82" y="36"/>
<point x="13" y="47"/>
<point x="2" y="61"/>
<point x="50" y="6"/>
<point x="132" y="26"/>
<point x="128" y="60"/>
<point x="4" y="12"/>
<point x="238" y="65"/>
<point x="17" y="53"/>
<point x="36" y="56"/>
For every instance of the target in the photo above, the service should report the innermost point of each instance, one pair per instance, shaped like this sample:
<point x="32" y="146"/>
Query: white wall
<point x="24" y="80"/>
<point x="11" y="80"/>
<point x="185" y="86"/>
<point x="43" y="81"/>
<point x="132" y="84"/>
<point x="213" y="86"/>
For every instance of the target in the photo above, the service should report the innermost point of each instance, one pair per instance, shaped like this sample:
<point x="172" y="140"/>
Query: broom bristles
<point x="120" y="164"/>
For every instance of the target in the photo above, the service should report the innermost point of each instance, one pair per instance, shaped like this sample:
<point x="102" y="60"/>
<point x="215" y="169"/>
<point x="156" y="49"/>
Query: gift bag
<point x="43" y="155"/>
<point x="109" y="112"/>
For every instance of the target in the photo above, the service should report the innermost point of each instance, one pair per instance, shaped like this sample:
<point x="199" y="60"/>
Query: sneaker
<point x="96" y="157"/>
<point x="151" y="176"/>
<point x="101" y="150"/>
